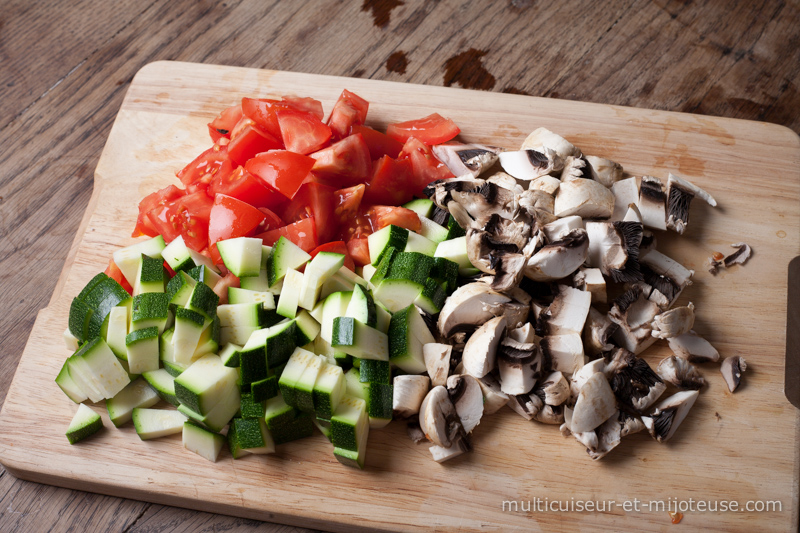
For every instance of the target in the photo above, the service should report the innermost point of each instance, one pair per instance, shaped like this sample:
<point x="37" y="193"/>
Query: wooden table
<point x="66" y="66"/>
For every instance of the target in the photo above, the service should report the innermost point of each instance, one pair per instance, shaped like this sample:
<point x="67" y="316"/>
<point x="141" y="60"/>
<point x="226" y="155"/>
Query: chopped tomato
<point x="337" y="247"/>
<point x="251" y="140"/>
<point x="114" y="272"/>
<point x="359" y="251"/>
<point x="379" y="144"/>
<point x="271" y="220"/>
<point x="433" y="129"/>
<point x="152" y="201"/>
<point x="344" y="163"/>
<point x="205" y="167"/>
<point x="304" y="103"/>
<point x="222" y="285"/>
<point x="385" y="215"/>
<point x="348" y="111"/>
<point x="425" y="166"/>
<point x="282" y="170"/>
<point x="244" y="186"/>
<point x="392" y="182"/>
<point x="346" y="203"/>
<point x="224" y="123"/>
<point x="262" y="111"/>
<point x="302" y="132"/>
<point x="314" y="200"/>
<point x="231" y="218"/>
<point x="303" y="233"/>
<point x="189" y="216"/>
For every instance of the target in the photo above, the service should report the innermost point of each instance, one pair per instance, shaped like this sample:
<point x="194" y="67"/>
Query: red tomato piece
<point x="348" y="111"/>
<point x="337" y="247"/>
<point x="262" y="111"/>
<point x="344" y="163"/>
<point x="205" y="167"/>
<point x="282" y="170"/>
<point x="359" y="251"/>
<point x="346" y="203"/>
<point x="271" y="220"/>
<point x="224" y="123"/>
<point x="379" y="144"/>
<point x="425" y="166"/>
<point x="314" y="200"/>
<point x="244" y="186"/>
<point x="113" y="271"/>
<point x="304" y="103"/>
<point x="231" y="218"/>
<point x="433" y="129"/>
<point x="251" y="140"/>
<point x="385" y="215"/>
<point x="221" y="287"/>
<point x="302" y="132"/>
<point x="303" y="233"/>
<point x="189" y="216"/>
<point x="392" y="182"/>
<point x="153" y="200"/>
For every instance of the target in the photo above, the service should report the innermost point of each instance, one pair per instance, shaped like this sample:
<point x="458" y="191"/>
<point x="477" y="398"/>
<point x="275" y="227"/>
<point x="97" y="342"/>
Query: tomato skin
<point x="346" y="162"/>
<point x="281" y="170"/>
<point x="303" y="233"/>
<point x="230" y="218"/>
<point x="224" y="123"/>
<point x="392" y="182"/>
<point x="347" y="202"/>
<point x="337" y="247"/>
<point x="302" y="132"/>
<point x="206" y="167"/>
<point x="271" y="220"/>
<point x="348" y="111"/>
<point x="433" y="129"/>
<point x="359" y="251"/>
<point x="221" y="287"/>
<point x="304" y="103"/>
<point x="244" y="186"/>
<point x="385" y="215"/>
<point x="113" y="271"/>
<point x="189" y="216"/>
<point x="250" y="141"/>
<point x="262" y="112"/>
<point x="159" y="198"/>
<point x="379" y="144"/>
<point x="314" y="200"/>
<point x="425" y="166"/>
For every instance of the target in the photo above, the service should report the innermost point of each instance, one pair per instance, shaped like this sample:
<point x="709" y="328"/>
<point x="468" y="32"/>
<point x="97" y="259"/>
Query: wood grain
<point x="65" y="67"/>
<point x="402" y="487"/>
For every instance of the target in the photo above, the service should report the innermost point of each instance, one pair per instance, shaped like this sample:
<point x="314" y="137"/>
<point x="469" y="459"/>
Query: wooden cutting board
<point x="740" y="447"/>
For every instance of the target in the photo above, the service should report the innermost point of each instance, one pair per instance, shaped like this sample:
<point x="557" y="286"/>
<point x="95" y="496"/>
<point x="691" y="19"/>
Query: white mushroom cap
<point x="652" y="203"/>
<point x="408" y="393"/>
<point x="467" y="397"/>
<point x="544" y="138"/>
<point x="680" y="373"/>
<point x="604" y="171"/>
<point x="668" y="415"/>
<point x="441" y="454"/>
<point x="585" y="198"/>
<point x="526" y="405"/>
<point x="596" y="403"/>
<point x="466" y="159"/>
<point x="523" y="334"/>
<point x="693" y="348"/>
<point x="548" y="184"/>
<point x="519" y="366"/>
<point x="506" y="181"/>
<point x="465" y="307"/>
<point x="438" y="418"/>
<point x="597" y="333"/>
<point x="529" y="164"/>
<point x="592" y="281"/>
<point x="565" y="352"/>
<point x="555" y="388"/>
<point x="634" y="314"/>
<point x="732" y="368"/>
<point x="437" y="361"/>
<point x="567" y="314"/>
<point x="557" y="229"/>
<point x="633" y="381"/>
<point x="582" y="375"/>
<point x="480" y="352"/>
<point x="626" y="192"/>
<point x="559" y="259"/>
<point x="493" y="397"/>
<point x="676" y="321"/>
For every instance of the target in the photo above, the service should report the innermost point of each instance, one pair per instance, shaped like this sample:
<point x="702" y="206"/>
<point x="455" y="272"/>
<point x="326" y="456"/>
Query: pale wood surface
<point x="746" y="441"/>
<point x="65" y="67"/>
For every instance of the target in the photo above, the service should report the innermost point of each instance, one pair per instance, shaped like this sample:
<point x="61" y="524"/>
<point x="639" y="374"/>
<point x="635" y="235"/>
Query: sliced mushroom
<point x="664" y="278"/>
<point x="680" y="373"/>
<point x="563" y="352"/>
<point x="493" y="397"/>
<point x="467" y="397"/>
<point x="505" y="180"/>
<point x="652" y="203"/>
<point x="438" y="418"/>
<point x="680" y="193"/>
<point x="626" y="192"/>
<point x="480" y="352"/>
<point x="634" y="314"/>
<point x="523" y="334"/>
<point x="630" y="424"/>
<point x="676" y="321"/>
<point x="668" y="415"/>
<point x="595" y="404"/>
<point x="409" y="392"/>
<point x="738" y="257"/>
<point x="603" y="171"/>
<point x="466" y="159"/>
<point x="574" y="168"/>
<point x="634" y="215"/>
<point x="609" y="435"/>
<point x="437" y="361"/>
<point x="556" y="230"/>
<point x="460" y="446"/>
<point x="440" y="191"/>
<point x="530" y="164"/>
<point x="693" y="348"/>
<point x="519" y="365"/>
<point x="732" y="368"/>
<point x="533" y="201"/>
<point x="586" y="198"/>
<point x="597" y="333"/>
<point x="526" y="405"/>
<point x="553" y="389"/>
<point x="614" y="249"/>
<point x="516" y="313"/>
<point x="634" y="383"/>
<point x="559" y="259"/>
<point x="550" y="414"/>
<point x="579" y="378"/>
<point x="548" y="184"/>
<point x="414" y="432"/>
<point x="567" y="314"/>
<point x="465" y="309"/>
<point x="592" y="281"/>
<point x="486" y="200"/>
<point x="544" y="138"/>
